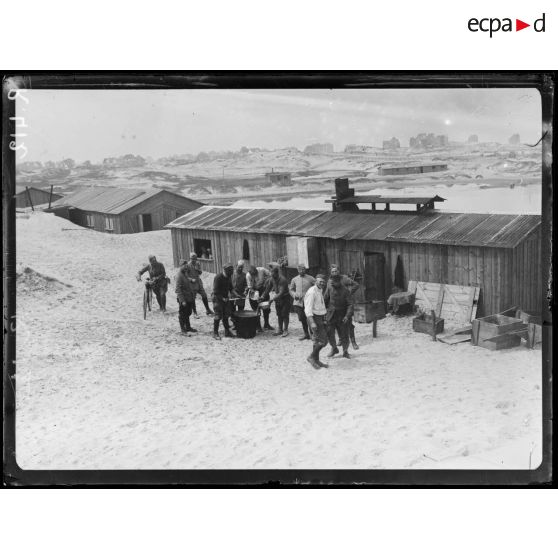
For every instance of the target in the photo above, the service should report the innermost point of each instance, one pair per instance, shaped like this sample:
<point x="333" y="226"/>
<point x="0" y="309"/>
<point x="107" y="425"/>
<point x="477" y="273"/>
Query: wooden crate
<point x="505" y="341"/>
<point x="488" y="332"/>
<point x="367" y="312"/>
<point x="424" y="325"/>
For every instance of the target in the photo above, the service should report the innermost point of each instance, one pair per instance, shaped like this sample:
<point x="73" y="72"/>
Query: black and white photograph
<point x="281" y="277"/>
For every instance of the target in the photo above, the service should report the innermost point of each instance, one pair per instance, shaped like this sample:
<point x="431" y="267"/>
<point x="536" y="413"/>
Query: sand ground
<point x="99" y="387"/>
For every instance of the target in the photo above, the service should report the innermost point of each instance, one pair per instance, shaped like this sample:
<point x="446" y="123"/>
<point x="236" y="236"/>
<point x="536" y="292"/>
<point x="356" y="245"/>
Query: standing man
<point x="353" y="286"/>
<point x="298" y="288"/>
<point x="222" y="291"/>
<point x="239" y="285"/>
<point x="194" y="271"/>
<point x="185" y="298"/>
<point x="282" y="298"/>
<point x="257" y="280"/>
<point x="339" y="304"/>
<point x="315" y="310"/>
<point x="158" y="278"/>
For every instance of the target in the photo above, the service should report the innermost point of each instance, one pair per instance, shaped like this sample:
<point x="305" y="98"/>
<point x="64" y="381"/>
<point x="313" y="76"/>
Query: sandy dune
<point x="99" y="387"/>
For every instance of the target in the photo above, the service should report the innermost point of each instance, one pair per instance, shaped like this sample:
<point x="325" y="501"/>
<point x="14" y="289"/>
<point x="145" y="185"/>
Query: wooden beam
<point x="29" y="198"/>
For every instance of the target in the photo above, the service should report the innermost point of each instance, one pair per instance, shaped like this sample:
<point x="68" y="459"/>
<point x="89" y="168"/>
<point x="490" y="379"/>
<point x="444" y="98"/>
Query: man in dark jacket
<point x="257" y="280"/>
<point x="353" y="286"/>
<point x="158" y="279"/>
<point x="194" y="272"/>
<point x="222" y="292"/>
<point x="278" y="291"/>
<point x="185" y="298"/>
<point x="239" y="285"/>
<point x="339" y="304"/>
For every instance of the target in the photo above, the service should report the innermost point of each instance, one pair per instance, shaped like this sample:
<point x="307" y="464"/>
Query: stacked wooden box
<point x="497" y="332"/>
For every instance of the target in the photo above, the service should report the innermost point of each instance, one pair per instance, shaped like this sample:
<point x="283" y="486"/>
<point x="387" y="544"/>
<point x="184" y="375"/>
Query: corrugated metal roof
<point x="460" y="229"/>
<point x="468" y="229"/>
<point x="108" y="200"/>
<point x="20" y="189"/>
<point x="105" y="200"/>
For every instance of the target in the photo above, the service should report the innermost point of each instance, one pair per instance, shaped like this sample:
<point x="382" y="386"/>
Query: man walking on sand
<point x="315" y="310"/>
<point x="185" y="297"/>
<point x="298" y="288"/>
<point x="222" y="291"/>
<point x="353" y="286"/>
<point x="339" y="303"/>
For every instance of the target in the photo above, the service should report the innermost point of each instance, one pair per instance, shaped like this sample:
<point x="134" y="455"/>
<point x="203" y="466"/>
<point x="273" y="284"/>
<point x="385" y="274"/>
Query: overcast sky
<point x="97" y="124"/>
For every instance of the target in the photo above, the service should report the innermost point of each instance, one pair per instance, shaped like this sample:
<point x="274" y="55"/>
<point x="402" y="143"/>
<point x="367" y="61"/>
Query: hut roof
<point x="459" y="229"/>
<point x="22" y="188"/>
<point x="109" y="200"/>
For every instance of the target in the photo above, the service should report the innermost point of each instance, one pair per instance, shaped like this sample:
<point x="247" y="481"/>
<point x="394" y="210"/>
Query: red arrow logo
<point x="519" y="25"/>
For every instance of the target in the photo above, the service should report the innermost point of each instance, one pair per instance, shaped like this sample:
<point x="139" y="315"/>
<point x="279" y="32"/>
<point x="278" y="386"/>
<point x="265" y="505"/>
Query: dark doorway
<point x="245" y="251"/>
<point x="146" y="222"/>
<point x="374" y="276"/>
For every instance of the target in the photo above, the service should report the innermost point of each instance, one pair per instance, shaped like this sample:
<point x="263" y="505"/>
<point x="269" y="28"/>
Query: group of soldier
<point x="324" y="306"/>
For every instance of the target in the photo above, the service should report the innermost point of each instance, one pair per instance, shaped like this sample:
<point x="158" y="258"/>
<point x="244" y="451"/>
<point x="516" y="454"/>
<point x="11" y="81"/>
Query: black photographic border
<point x="14" y="476"/>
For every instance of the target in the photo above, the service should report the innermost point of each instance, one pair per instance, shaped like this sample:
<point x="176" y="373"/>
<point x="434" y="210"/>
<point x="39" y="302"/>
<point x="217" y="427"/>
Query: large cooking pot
<point x="246" y="323"/>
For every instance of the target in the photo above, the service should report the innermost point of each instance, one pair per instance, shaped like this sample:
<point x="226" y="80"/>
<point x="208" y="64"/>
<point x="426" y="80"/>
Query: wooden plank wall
<point x="227" y="247"/>
<point x="164" y="208"/>
<point x="527" y="273"/>
<point x="506" y="277"/>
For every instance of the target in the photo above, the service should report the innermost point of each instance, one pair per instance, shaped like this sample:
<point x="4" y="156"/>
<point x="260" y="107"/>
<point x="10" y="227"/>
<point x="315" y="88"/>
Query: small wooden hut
<point x="123" y="210"/>
<point x="30" y="196"/>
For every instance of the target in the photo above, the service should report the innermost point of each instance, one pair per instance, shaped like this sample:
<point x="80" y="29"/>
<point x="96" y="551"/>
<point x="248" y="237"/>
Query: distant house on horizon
<point x="279" y="178"/>
<point x="318" y="148"/>
<point x="429" y="140"/>
<point x="123" y="210"/>
<point x="515" y="139"/>
<point x="392" y="143"/>
<point x="412" y="169"/>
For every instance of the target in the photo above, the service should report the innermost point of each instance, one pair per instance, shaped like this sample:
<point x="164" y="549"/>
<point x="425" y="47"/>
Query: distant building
<point x="393" y="143"/>
<point x="29" y="196"/>
<point x="279" y="178"/>
<point x="318" y="148"/>
<point x="430" y="140"/>
<point x="126" y="161"/>
<point x="411" y="169"/>
<point x="515" y="139"/>
<point x="354" y="148"/>
<point x="123" y="210"/>
<point x="473" y="138"/>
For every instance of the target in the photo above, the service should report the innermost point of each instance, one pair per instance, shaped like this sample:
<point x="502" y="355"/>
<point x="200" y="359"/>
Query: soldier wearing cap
<point x="315" y="310"/>
<point x="158" y="281"/>
<point x="240" y="287"/>
<point x="222" y="292"/>
<point x="257" y="280"/>
<point x="185" y="298"/>
<point x="193" y="270"/>
<point x="278" y="291"/>
<point x="298" y="288"/>
<point x="339" y="304"/>
<point x="353" y="286"/>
